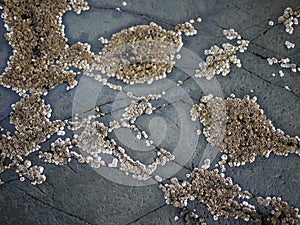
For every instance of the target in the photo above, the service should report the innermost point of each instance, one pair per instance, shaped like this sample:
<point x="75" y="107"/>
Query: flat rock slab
<point x="76" y="194"/>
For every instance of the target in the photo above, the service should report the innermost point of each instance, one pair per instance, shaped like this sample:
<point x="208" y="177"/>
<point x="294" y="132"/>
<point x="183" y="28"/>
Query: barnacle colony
<point x="140" y="54"/>
<point x="241" y="129"/>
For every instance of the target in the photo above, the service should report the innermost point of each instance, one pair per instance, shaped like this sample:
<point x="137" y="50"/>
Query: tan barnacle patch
<point x="218" y="59"/>
<point x="218" y="193"/>
<point x="242" y="130"/>
<point x="41" y="56"/>
<point x="139" y="54"/>
<point x="31" y="120"/>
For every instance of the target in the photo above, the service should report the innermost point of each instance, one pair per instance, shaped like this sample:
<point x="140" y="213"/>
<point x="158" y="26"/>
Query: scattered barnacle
<point x="284" y="63"/>
<point x="218" y="193"/>
<point x="187" y="28"/>
<point x="221" y="163"/>
<point x="158" y="178"/>
<point x="137" y="108"/>
<point x="41" y="56"/>
<point x="103" y="40"/>
<point x="218" y="59"/>
<point x="289" y="18"/>
<point x="199" y="132"/>
<point x="289" y="44"/>
<point x="138" y="54"/>
<point x="287" y="87"/>
<point x="240" y="128"/>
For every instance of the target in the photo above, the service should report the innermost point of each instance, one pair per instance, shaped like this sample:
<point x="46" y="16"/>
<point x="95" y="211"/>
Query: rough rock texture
<point x="76" y="194"/>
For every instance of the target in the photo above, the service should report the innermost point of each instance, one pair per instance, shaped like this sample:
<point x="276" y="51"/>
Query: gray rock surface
<point x="76" y="194"/>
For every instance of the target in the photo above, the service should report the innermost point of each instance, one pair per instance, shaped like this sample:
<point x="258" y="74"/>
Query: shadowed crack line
<point x="270" y="50"/>
<point x="72" y="169"/>
<point x="264" y="32"/>
<point x="256" y="24"/>
<point x="146" y="214"/>
<point x="38" y="187"/>
<point x="146" y="16"/>
<point x="257" y="75"/>
<point x="258" y="55"/>
<point x="9" y="181"/>
<point x="53" y="207"/>
<point x="143" y="15"/>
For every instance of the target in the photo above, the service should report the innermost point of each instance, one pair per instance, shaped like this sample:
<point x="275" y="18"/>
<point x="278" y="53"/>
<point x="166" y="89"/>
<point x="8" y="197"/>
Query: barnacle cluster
<point x="240" y="128"/>
<point x="281" y="211"/>
<point x="41" y="55"/>
<point x="139" y="54"/>
<point x="187" y="28"/>
<point x="218" y="193"/>
<point x="218" y="59"/>
<point x="289" y="44"/>
<point x="223" y="197"/>
<point x="289" y="18"/>
<point x="31" y="120"/>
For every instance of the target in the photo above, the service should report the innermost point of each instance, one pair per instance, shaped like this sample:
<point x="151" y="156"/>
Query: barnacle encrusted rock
<point x="240" y="128"/>
<point x="139" y="54"/>
<point x="219" y="194"/>
<point x="41" y="55"/>
<point x="31" y="120"/>
<point x="224" y="198"/>
<point x="282" y="212"/>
